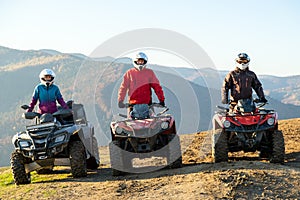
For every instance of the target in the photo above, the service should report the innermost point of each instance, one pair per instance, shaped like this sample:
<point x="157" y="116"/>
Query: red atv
<point x="247" y="127"/>
<point x="144" y="134"/>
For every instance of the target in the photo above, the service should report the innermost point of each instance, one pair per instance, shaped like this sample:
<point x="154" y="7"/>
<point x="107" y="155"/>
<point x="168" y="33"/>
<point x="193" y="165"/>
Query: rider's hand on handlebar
<point x="263" y="100"/>
<point x="224" y="101"/>
<point x="121" y="104"/>
<point x="162" y="103"/>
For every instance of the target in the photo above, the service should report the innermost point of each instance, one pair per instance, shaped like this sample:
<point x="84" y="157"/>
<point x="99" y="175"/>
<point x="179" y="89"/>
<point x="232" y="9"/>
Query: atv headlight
<point x="271" y="121"/>
<point x="164" y="125"/>
<point x="24" y="144"/>
<point x="118" y="130"/>
<point x="226" y="124"/>
<point x="59" y="138"/>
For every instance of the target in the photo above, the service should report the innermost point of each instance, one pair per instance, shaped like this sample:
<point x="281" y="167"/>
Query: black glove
<point x="121" y="104"/>
<point x="224" y="101"/>
<point x="263" y="100"/>
<point x="162" y="103"/>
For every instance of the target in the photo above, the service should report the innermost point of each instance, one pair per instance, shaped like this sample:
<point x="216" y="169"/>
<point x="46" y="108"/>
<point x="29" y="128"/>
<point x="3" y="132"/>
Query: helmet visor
<point x="140" y="61"/>
<point x="242" y="61"/>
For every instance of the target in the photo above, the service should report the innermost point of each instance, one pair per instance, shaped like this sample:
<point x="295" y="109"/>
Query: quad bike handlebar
<point x="258" y="102"/>
<point x="128" y="105"/>
<point x="29" y="115"/>
<point x="32" y="115"/>
<point x="158" y="105"/>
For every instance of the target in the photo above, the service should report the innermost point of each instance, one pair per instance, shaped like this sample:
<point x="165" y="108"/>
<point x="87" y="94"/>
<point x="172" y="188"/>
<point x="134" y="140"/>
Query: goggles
<point x="242" y="61"/>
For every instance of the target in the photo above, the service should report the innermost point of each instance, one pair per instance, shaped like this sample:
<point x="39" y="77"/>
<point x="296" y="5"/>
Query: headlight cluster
<point x="60" y="138"/>
<point x="226" y="124"/>
<point x="24" y="143"/>
<point x="271" y="121"/>
<point x="121" y="131"/>
<point x="118" y="130"/>
<point x="164" y="125"/>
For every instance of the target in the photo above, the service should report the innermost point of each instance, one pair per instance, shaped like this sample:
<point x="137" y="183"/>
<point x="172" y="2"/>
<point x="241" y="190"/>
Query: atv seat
<point x="78" y="115"/>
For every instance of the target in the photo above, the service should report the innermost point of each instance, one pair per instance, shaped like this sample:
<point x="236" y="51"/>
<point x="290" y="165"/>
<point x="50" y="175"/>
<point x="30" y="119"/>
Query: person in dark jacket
<point x="240" y="82"/>
<point x="47" y="93"/>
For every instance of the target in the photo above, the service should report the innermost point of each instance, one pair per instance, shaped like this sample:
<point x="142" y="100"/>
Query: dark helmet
<point x="242" y="58"/>
<point x="242" y="61"/>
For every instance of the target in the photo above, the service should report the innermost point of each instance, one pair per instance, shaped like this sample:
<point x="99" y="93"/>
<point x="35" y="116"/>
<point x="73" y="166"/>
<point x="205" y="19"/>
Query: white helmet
<point x="45" y="72"/>
<point x="143" y="56"/>
<point x="242" y="61"/>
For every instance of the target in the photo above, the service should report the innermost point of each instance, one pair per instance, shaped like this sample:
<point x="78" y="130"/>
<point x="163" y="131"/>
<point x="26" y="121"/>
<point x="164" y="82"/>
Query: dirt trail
<point x="243" y="177"/>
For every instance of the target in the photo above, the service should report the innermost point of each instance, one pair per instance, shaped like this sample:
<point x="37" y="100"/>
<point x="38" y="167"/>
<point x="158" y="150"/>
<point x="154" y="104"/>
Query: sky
<point x="268" y="31"/>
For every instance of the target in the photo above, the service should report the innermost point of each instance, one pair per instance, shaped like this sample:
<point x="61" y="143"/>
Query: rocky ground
<point x="243" y="177"/>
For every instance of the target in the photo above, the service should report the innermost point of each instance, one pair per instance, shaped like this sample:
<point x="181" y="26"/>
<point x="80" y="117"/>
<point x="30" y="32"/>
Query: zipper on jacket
<point x="48" y="94"/>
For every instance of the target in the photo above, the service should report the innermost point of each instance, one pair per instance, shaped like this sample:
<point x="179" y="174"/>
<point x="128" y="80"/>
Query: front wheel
<point x="117" y="159"/>
<point x="278" y="148"/>
<point x="77" y="159"/>
<point x="219" y="146"/>
<point x="18" y="169"/>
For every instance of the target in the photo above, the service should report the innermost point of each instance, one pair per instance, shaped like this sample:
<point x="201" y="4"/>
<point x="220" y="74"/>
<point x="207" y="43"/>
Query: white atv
<point x="64" y="138"/>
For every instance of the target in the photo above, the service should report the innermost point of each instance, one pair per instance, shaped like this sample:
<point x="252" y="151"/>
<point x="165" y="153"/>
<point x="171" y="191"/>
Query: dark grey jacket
<point x="240" y="84"/>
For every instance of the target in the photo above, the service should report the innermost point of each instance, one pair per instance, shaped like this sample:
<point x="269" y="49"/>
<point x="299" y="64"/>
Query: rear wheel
<point x="77" y="159"/>
<point x="219" y="146"/>
<point x="18" y="169"/>
<point x="278" y="149"/>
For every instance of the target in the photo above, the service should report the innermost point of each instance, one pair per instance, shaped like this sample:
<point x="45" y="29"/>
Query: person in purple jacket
<point x="47" y="93"/>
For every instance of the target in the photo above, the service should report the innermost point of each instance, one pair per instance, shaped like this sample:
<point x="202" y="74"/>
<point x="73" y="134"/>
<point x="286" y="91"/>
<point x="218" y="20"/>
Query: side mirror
<point x="25" y="107"/>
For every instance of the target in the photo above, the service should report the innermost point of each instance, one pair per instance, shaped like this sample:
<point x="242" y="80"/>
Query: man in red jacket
<point x="138" y="81"/>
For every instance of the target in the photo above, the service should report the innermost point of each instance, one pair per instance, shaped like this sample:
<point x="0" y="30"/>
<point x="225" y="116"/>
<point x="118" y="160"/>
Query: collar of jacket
<point x="44" y="86"/>
<point x="238" y="70"/>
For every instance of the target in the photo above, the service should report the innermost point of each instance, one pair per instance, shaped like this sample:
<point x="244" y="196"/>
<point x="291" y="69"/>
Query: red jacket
<point x="138" y="84"/>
